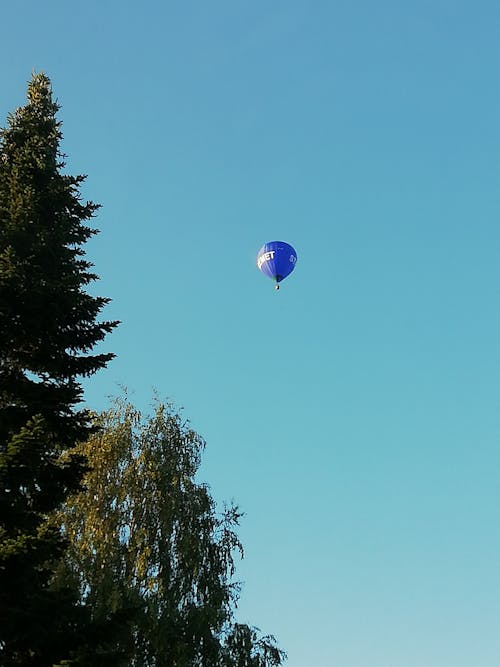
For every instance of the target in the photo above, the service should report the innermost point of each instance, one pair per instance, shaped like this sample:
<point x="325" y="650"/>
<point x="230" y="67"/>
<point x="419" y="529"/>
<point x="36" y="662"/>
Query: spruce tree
<point x="48" y="329"/>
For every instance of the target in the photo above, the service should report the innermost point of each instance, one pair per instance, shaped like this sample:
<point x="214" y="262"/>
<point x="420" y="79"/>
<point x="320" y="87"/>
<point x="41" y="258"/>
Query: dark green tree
<point x="48" y="330"/>
<point x="144" y="531"/>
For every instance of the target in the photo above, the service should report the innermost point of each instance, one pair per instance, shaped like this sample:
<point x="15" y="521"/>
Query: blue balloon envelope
<point x="276" y="260"/>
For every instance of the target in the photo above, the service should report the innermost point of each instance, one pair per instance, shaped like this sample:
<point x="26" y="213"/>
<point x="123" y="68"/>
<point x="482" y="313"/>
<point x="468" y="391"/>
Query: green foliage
<point x="48" y="329"/>
<point x="145" y="533"/>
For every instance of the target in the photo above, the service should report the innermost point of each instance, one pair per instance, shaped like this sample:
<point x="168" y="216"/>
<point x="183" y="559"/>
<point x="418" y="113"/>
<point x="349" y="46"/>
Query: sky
<point x="354" y="415"/>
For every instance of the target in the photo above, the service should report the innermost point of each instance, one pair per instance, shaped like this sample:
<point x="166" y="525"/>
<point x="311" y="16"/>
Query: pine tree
<point x="48" y="329"/>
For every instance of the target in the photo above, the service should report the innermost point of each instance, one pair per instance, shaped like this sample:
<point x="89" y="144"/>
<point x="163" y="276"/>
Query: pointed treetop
<point x="39" y="94"/>
<point x="39" y="88"/>
<point x="33" y="134"/>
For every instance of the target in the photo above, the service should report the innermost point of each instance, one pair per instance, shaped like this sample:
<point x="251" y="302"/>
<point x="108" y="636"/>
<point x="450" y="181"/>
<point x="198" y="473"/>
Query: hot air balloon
<point x="276" y="260"/>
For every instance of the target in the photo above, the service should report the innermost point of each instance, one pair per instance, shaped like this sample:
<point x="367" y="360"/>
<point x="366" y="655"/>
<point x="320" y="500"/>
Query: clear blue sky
<point x="354" y="415"/>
